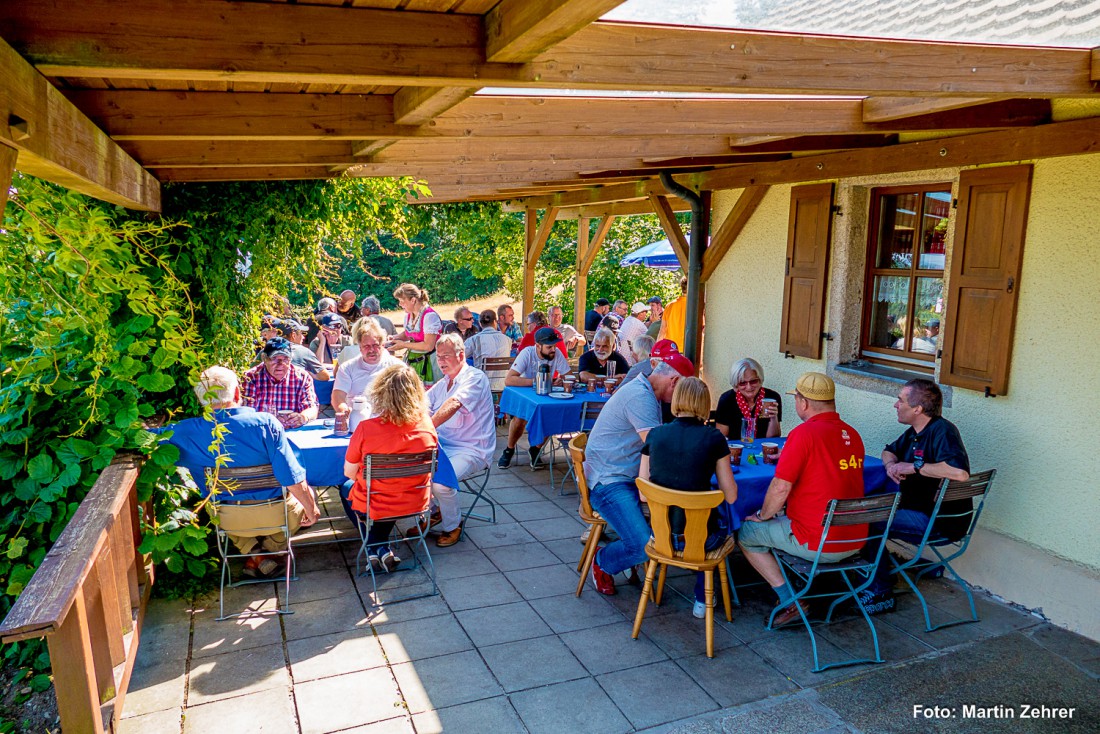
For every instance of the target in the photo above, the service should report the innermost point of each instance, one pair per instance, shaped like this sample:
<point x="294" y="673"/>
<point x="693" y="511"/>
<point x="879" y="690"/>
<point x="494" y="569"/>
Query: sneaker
<point x="536" y="461"/>
<point x="260" y="567"/>
<point x="699" y="611"/>
<point x="375" y="562"/>
<point x="390" y="561"/>
<point x="877" y="603"/>
<point x="602" y="580"/>
<point x="506" y="458"/>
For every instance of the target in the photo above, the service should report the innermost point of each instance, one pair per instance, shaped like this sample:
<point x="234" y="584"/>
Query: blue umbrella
<point x="654" y="255"/>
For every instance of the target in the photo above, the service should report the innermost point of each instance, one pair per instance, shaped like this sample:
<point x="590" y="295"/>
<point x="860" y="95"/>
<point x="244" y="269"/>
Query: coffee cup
<point x="770" y="405"/>
<point x="735" y="453"/>
<point x="610" y="384"/>
<point x="770" y="452"/>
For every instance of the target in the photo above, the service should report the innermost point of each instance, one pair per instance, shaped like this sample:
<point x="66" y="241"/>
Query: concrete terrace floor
<point x="507" y="647"/>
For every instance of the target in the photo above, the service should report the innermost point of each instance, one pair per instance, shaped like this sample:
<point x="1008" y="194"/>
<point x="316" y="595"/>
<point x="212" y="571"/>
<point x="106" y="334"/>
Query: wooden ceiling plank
<point x="58" y="143"/>
<point x="221" y="153"/>
<point x="621" y="209"/>
<point x="1094" y="64"/>
<point x="212" y="39"/>
<point x="519" y="30"/>
<point x="264" y="173"/>
<point x="426" y="150"/>
<point x="671" y="227"/>
<point x="886" y="109"/>
<point x="713" y="160"/>
<point x="419" y="105"/>
<point x="735" y="221"/>
<point x="810" y="143"/>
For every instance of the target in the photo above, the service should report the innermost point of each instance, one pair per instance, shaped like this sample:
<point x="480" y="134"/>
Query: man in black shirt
<point x="593" y="318"/>
<point x="929" y="451"/>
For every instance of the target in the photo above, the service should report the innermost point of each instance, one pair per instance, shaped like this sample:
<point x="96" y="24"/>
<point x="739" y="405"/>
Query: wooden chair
<point x="977" y="486"/>
<point x="590" y="411"/>
<point x="595" y="522"/>
<point x="697" y="507"/>
<point x="496" y="368"/>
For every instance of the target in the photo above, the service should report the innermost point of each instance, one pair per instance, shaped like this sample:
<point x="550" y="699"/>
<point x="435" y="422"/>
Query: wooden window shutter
<point x="808" y="234"/>
<point x="985" y="277"/>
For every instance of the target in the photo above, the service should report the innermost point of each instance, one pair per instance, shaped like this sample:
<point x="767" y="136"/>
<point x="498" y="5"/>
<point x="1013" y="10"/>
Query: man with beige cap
<point x="815" y="467"/>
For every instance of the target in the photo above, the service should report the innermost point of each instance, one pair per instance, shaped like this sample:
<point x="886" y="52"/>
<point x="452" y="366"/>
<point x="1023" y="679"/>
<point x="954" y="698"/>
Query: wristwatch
<point x="918" y="463"/>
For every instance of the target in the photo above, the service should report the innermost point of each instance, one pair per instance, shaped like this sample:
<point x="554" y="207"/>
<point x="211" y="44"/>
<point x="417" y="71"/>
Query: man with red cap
<point x="612" y="458"/>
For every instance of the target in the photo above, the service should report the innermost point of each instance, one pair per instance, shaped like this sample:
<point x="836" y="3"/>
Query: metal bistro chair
<point x="394" y="466"/>
<point x="977" y="486"/>
<point x="596" y="524"/>
<point x="875" y="510"/>
<point x="589" y="413"/>
<point x="475" y="485"/>
<point x="252" y="486"/>
<point x="496" y="368"/>
<point x="697" y="507"/>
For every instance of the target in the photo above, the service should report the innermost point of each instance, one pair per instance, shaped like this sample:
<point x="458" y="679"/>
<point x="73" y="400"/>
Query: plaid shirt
<point x="294" y="393"/>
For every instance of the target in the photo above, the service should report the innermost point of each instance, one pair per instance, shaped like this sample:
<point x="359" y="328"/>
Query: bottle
<point x="542" y="380"/>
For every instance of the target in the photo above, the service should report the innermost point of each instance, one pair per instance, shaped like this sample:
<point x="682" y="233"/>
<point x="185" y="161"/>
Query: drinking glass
<point x="748" y="430"/>
<point x="610" y="368"/>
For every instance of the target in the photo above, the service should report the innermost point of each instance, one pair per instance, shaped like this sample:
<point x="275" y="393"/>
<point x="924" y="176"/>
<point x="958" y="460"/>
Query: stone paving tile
<point x="626" y="601"/>
<point x="320" y="558"/>
<point x="502" y="478"/>
<point x="557" y="528"/>
<point x="500" y="624"/>
<point x="155" y="688"/>
<point x="574" y="706"/>
<point x="407" y="576"/>
<point x="472" y="592"/>
<point x="316" y="585"/>
<point x="567" y="613"/>
<point x="1078" y="650"/>
<point x="530" y="663"/>
<point x="682" y="635"/>
<point x="540" y="510"/>
<point x="400" y="725"/>
<point x="789" y="651"/>
<point x="853" y="636"/>
<point x="909" y="619"/>
<point x="656" y="694"/>
<point x="447" y="680"/>
<point x="609" y="648"/>
<point x="269" y="712"/>
<point x="749" y="618"/>
<point x="403" y="611"/>
<point x="327" y="655"/>
<point x="165" y="633"/>
<point x="512" y="495"/>
<point x="537" y="583"/>
<point x="332" y="704"/>
<point x="491" y="536"/>
<point x="237" y="673"/>
<point x="735" y="676"/>
<point x="160" y="722"/>
<point x="569" y="549"/>
<point x="795" y="715"/>
<point x="325" y="616"/>
<point x="470" y="562"/>
<point x="494" y="715"/>
<point x="215" y="638"/>
<point x="422" y="638"/>
<point x="517" y="557"/>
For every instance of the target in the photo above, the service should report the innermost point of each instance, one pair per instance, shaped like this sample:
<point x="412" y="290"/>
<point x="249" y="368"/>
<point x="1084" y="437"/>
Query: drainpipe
<point x="700" y="229"/>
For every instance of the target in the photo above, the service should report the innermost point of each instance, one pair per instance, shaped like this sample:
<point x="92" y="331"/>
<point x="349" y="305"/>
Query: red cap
<point x="681" y="364"/>
<point x="664" y="348"/>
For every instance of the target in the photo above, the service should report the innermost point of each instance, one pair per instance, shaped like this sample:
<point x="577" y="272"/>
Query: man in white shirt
<point x="489" y="342"/>
<point x="523" y="374"/>
<point x="632" y="328"/>
<point x="355" y="376"/>
<point x="462" y="411"/>
<point x="570" y="335"/>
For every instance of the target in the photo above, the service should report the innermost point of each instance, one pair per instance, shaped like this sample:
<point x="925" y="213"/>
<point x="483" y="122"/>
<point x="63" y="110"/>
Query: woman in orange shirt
<point x="401" y="425"/>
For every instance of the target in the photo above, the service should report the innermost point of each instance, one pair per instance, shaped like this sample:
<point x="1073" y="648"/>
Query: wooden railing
<point x="88" y="599"/>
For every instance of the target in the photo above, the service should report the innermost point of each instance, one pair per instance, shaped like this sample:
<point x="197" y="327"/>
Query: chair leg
<point x="708" y="600"/>
<point x="588" y="556"/>
<point x="660" y="586"/>
<point x="650" y="569"/>
<point x="723" y="578"/>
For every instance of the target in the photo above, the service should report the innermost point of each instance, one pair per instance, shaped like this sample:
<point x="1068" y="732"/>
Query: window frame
<point x="888" y="356"/>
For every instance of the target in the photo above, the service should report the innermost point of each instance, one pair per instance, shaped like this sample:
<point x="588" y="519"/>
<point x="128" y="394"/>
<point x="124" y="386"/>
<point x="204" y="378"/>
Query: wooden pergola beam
<point x="811" y="143"/>
<point x="672" y="229"/>
<point x="536" y="236"/>
<point x="587" y="250"/>
<point x="519" y="30"/>
<point x="621" y="209"/>
<point x="886" y="109"/>
<point x="551" y="147"/>
<point x="730" y="229"/>
<point x="208" y="40"/>
<point x="420" y="105"/>
<point x="56" y="142"/>
<point x="7" y="168"/>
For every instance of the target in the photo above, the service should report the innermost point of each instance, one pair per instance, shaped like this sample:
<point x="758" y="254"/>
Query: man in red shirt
<point x="535" y="321"/>
<point x="821" y="461"/>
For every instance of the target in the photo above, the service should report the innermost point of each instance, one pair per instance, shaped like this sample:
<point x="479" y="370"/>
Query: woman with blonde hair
<point x="422" y="329"/>
<point x="683" y="455"/>
<point x="401" y="425"/>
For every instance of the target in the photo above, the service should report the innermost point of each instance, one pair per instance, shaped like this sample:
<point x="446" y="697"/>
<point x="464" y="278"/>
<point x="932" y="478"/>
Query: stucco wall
<point x="1043" y="436"/>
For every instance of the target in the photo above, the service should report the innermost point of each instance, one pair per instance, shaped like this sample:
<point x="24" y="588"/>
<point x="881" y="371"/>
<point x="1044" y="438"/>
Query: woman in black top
<point x="746" y="400"/>
<point x="684" y="455"/>
<point x="593" y="363"/>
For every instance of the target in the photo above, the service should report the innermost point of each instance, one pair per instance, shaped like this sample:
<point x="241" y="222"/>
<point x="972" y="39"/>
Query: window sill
<point x="876" y="378"/>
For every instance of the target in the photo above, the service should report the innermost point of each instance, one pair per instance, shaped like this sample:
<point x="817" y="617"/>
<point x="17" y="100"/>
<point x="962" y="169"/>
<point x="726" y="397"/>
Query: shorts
<point x="760" y="537"/>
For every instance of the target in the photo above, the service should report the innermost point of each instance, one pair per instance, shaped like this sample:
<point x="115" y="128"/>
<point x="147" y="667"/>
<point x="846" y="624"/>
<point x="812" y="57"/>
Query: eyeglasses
<point x="279" y="360"/>
<point x="471" y="318"/>
<point x="749" y="383"/>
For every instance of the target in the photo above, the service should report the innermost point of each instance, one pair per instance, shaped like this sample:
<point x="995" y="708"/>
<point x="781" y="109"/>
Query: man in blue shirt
<point x="252" y="438"/>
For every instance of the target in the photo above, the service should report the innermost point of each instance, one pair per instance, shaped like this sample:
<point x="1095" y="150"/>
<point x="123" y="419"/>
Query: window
<point x="904" y="308"/>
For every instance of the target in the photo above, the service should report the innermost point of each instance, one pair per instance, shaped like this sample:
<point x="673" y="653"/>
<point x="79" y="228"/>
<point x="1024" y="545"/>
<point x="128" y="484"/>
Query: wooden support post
<point x="75" y="679"/>
<point x="579" y="295"/>
<point x="7" y="168"/>
<point x="99" y="635"/>
<point x="535" y="240"/>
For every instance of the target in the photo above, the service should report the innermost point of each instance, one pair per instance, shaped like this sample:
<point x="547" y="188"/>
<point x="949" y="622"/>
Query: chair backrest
<point x="877" y="508"/>
<point x="577" y="447"/>
<point x="237" y="483"/>
<point x="588" y="337"/>
<point x="977" y="485"/>
<point x="496" y="364"/>
<point x="396" y="466"/>
<point x="696" y="506"/>
<point x="589" y="413"/>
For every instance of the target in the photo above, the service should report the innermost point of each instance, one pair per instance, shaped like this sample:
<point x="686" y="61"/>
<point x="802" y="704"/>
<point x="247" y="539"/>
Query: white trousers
<point x="466" y="464"/>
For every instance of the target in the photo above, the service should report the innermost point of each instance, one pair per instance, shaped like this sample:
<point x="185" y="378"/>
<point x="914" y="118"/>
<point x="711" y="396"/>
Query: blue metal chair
<point x="393" y="466"/>
<point x="590" y="411"/>
<point x="251" y="486"/>
<point x="977" y="486"/>
<point x="877" y="512"/>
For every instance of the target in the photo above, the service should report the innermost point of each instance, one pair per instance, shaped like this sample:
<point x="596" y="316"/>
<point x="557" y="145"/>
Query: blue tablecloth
<point x="546" y="416"/>
<point x="323" y="388"/>
<point x="322" y="453"/>
<point x="753" y="481"/>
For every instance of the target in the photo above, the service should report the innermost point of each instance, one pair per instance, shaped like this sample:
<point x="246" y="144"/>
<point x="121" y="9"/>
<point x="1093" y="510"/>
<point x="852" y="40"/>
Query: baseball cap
<point x="681" y="364"/>
<point x="270" y="322"/>
<point x="331" y="319"/>
<point x="655" y="299"/>
<point x="663" y="349"/>
<point x="603" y="302"/>
<point x="815" y="386"/>
<point x="278" y="345"/>
<point x="638" y="307"/>
<point x="289" y="326"/>
<point x="547" y="335"/>
<point x="934" y="323"/>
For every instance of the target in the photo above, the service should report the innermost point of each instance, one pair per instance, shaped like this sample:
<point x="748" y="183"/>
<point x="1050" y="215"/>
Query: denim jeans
<point x="618" y="503"/>
<point x="909" y="526"/>
<point x="378" y="532"/>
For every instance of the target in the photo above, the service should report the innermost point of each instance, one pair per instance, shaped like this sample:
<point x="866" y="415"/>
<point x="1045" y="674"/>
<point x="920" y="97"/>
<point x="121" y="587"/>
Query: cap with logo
<point x="278" y="345"/>
<point x="815" y="386"/>
<point x="331" y="320"/>
<point x="289" y="326"/>
<point x="547" y="335"/>
<point x="681" y="364"/>
<point x="664" y="349"/>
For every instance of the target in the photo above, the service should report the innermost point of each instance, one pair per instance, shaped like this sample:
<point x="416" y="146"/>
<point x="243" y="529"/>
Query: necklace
<point x="751" y="413"/>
